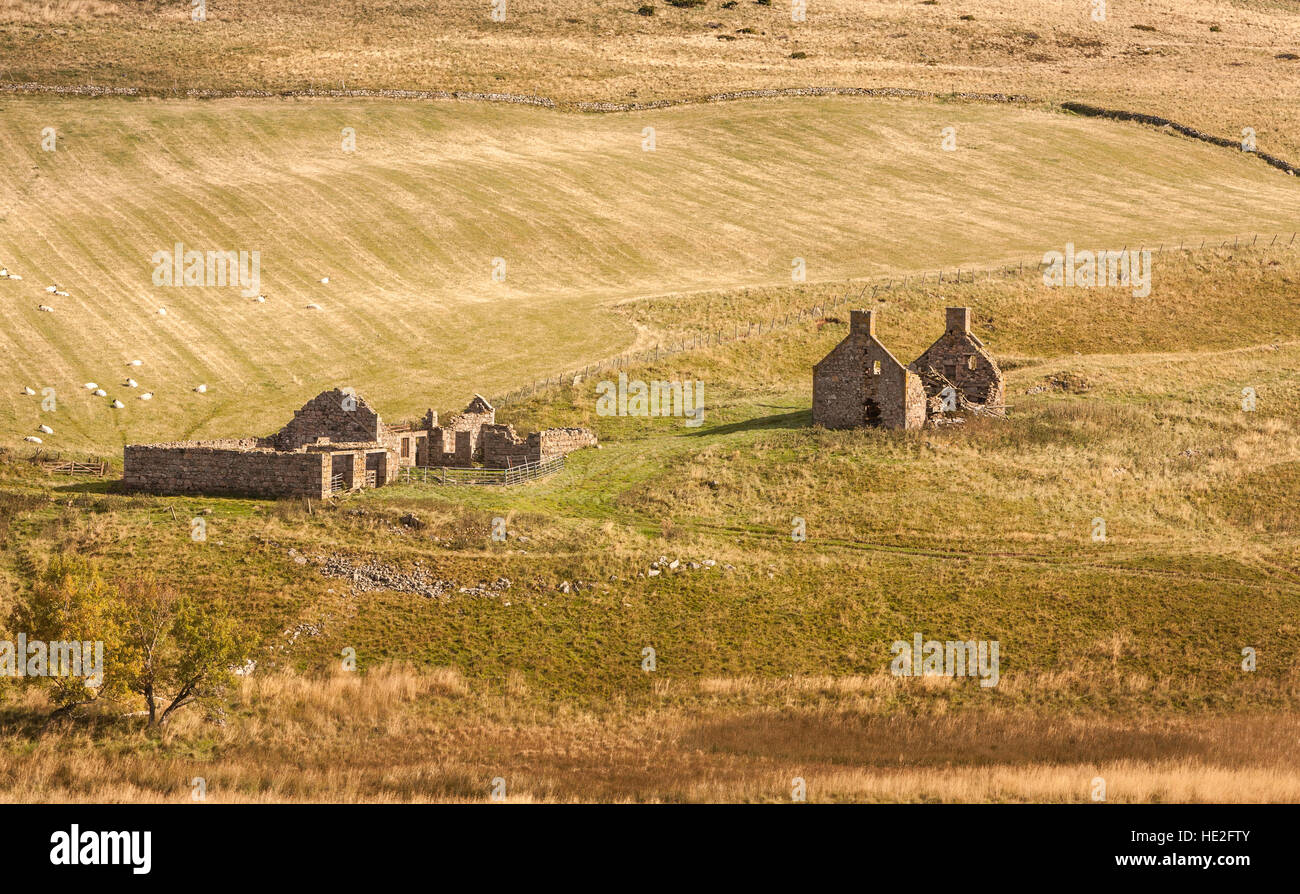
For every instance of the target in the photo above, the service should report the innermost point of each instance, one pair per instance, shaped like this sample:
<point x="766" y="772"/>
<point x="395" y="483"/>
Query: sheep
<point x="33" y="439"/>
<point x="51" y="288"/>
<point x="90" y="386"/>
<point x="117" y="405"/>
<point x="260" y="299"/>
<point x="45" y="308"/>
<point x="162" y="311"/>
<point x="325" y="280"/>
<point x="100" y="392"/>
<point x="28" y="391"/>
<point x="202" y="389"/>
<point x="45" y="429"/>
<point x="148" y="395"/>
<point x="61" y="294"/>
<point x="313" y="307"/>
<point x="135" y="363"/>
<point x="14" y="276"/>
<point x="132" y="383"/>
<point x="4" y="272"/>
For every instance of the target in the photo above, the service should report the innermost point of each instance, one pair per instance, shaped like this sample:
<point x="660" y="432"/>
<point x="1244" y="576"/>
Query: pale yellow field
<point x="407" y="228"/>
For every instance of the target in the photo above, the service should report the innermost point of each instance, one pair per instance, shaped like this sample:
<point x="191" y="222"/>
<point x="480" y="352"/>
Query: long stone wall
<point x="200" y="468"/>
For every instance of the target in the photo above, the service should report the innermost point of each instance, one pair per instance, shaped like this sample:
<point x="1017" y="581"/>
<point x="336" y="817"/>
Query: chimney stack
<point x="862" y="322"/>
<point x="959" y="319"/>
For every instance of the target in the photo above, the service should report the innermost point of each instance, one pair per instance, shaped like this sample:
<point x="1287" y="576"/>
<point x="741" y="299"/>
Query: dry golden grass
<point x="1220" y="67"/>
<point x="394" y="735"/>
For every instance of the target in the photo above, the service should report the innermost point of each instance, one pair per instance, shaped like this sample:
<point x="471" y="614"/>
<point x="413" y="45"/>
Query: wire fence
<point x="957" y="275"/>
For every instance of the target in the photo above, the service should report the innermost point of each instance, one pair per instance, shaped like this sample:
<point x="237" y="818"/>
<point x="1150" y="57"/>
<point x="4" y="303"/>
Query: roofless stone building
<point x="337" y="442"/>
<point x="861" y="383"/>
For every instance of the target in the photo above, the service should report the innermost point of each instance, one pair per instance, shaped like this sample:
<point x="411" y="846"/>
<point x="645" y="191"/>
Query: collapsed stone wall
<point x="960" y="358"/>
<point x="200" y="468"/>
<point x="457" y="442"/>
<point x="503" y="449"/>
<point x="335" y="415"/>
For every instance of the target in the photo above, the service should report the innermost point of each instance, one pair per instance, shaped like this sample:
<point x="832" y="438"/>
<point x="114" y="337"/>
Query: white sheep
<point x="132" y="383"/>
<point x="33" y="439"/>
<point x="325" y="280"/>
<point x="45" y="308"/>
<point x="4" y="272"/>
<point x="90" y="386"/>
<point x="136" y="363"/>
<point x="202" y="389"/>
<point x="45" y="429"/>
<point x="28" y="391"/>
<point x="100" y="392"/>
<point x="14" y="276"/>
<point x="162" y="311"/>
<point x="117" y="405"/>
<point x="148" y="395"/>
<point x="260" y="299"/>
<point x="313" y="307"/>
<point x="61" y="294"/>
<point x="51" y="288"/>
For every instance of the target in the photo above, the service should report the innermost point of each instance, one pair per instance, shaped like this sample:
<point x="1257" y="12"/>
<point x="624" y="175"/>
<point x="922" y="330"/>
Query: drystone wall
<point x="563" y="441"/>
<point x="205" y="469"/>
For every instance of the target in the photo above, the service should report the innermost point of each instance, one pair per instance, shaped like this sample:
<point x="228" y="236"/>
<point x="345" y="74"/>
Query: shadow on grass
<point x="798" y="419"/>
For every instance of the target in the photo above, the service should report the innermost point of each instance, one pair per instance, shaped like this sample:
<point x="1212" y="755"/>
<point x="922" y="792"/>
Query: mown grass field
<point x="1120" y="659"/>
<point x="407" y="227"/>
<point x="1216" y="66"/>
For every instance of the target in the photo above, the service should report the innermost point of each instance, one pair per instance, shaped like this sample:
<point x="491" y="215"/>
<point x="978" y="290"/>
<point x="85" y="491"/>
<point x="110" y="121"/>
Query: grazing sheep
<point x="162" y="311"/>
<point x="148" y="395"/>
<point x="45" y="429"/>
<point x="325" y="280"/>
<point x="90" y="386"/>
<point x="14" y="276"/>
<point x="45" y="308"/>
<point x="62" y="294"/>
<point x="132" y="383"/>
<point x="51" y="288"/>
<point x="136" y="363"/>
<point x="260" y="299"/>
<point x="202" y="389"/>
<point x="313" y="307"/>
<point x="33" y="439"/>
<point x="4" y="272"/>
<point x="117" y="405"/>
<point x="100" y="392"/>
<point x="27" y="390"/>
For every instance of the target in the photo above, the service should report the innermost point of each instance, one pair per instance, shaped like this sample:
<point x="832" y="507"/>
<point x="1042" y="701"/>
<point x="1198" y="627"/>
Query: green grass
<point x="981" y="531"/>
<point x="406" y="229"/>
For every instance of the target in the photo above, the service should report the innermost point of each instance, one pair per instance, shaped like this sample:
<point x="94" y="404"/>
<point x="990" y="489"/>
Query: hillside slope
<point x="407" y="227"/>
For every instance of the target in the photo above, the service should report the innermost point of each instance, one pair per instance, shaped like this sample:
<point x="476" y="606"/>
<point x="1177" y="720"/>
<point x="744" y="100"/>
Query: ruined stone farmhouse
<point x="861" y="383"/>
<point x="337" y="442"/>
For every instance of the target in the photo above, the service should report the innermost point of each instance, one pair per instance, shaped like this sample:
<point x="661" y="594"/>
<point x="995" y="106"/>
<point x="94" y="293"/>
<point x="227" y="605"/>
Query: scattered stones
<point x="368" y="576"/>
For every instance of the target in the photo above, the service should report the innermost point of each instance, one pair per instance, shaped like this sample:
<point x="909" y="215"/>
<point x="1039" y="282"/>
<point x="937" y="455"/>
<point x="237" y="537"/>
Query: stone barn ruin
<point x="337" y="442"/>
<point x="861" y="383"/>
